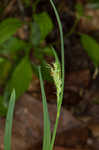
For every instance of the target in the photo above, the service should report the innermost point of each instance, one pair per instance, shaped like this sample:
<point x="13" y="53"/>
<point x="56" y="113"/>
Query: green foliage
<point x="22" y="75"/>
<point x="48" y="51"/>
<point x="45" y="69"/>
<point x="21" y="78"/>
<point x="79" y="10"/>
<point x="46" y="72"/>
<point x="9" y="119"/>
<point x="3" y="107"/>
<point x="38" y="53"/>
<point x="47" y="130"/>
<point x="48" y="142"/>
<point x="5" y="67"/>
<point x="35" y="36"/>
<point x="8" y="27"/>
<point x="26" y="2"/>
<point x="34" y="6"/>
<point x="16" y="71"/>
<point x="91" y="47"/>
<point x="11" y="49"/>
<point x="12" y="45"/>
<point x="45" y="24"/>
<point x="56" y="74"/>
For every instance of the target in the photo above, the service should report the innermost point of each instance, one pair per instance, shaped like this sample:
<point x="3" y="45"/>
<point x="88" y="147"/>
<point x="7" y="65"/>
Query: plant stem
<point x="62" y="41"/>
<point x="62" y="60"/>
<point x="55" y="127"/>
<point x="47" y="132"/>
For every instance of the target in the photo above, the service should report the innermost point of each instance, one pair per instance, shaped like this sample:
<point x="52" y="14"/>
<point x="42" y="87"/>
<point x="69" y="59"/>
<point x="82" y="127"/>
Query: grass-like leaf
<point x="61" y="39"/>
<point x="9" y="119"/>
<point x="47" y="131"/>
<point x="62" y="77"/>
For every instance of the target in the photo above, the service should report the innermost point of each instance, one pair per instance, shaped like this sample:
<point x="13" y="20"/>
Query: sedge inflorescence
<point x="56" y="74"/>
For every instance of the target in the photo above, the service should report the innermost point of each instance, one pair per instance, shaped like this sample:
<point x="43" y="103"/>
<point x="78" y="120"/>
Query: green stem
<point x="62" y="59"/>
<point x="47" y="132"/>
<point x="55" y="127"/>
<point x="61" y="38"/>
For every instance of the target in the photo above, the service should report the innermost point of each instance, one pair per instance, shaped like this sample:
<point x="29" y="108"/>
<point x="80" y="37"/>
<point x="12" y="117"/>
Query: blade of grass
<point x="61" y="38"/>
<point x="9" y="119"/>
<point x="62" y="88"/>
<point x="47" y="131"/>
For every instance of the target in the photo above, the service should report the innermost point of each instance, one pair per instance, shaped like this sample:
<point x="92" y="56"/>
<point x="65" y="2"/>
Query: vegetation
<point x="17" y="68"/>
<point x="58" y="77"/>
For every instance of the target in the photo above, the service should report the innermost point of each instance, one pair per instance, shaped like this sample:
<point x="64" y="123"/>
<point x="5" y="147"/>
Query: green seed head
<point x="56" y="73"/>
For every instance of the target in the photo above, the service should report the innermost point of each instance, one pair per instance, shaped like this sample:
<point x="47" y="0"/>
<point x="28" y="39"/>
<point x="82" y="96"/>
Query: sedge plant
<point x="57" y="71"/>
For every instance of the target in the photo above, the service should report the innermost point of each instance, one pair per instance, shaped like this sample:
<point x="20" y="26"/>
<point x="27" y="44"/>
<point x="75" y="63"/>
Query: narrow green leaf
<point x="63" y="71"/>
<point x="8" y="27"/>
<point x="9" y="119"/>
<point x="91" y="47"/>
<point x="47" y="131"/>
<point x="56" y="56"/>
<point x="56" y="74"/>
<point x="47" y="51"/>
<point x="45" y="70"/>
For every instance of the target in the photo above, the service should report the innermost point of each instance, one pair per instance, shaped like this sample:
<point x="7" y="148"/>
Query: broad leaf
<point x="12" y="45"/>
<point x="45" y="24"/>
<point x="35" y="36"/>
<point x="91" y="47"/>
<point x="8" y="27"/>
<point x="21" y="78"/>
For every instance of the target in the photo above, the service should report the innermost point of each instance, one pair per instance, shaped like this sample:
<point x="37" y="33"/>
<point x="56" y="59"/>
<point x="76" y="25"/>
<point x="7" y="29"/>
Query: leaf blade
<point x="47" y="131"/>
<point x="8" y="27"/>
<point x="91" y="47"/>
<point x="45" y="24"/>
<point x="21" y="77"/>
<point x="8" y="127"/>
